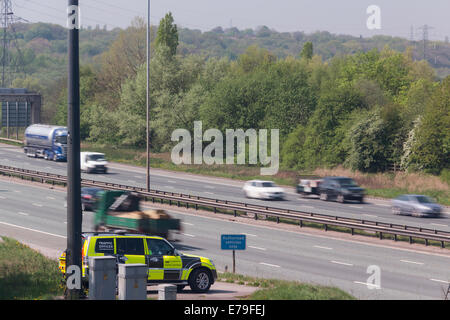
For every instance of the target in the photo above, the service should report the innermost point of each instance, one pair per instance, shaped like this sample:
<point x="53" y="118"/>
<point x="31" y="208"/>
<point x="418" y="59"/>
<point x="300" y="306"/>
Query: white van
<point x="93" y="162"/>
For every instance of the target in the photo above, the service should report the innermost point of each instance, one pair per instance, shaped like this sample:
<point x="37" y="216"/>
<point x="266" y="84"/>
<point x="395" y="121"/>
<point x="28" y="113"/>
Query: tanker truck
<point x="46" y="141"/>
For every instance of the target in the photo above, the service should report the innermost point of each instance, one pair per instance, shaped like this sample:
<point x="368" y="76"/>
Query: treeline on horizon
<point x="366" y="109"/>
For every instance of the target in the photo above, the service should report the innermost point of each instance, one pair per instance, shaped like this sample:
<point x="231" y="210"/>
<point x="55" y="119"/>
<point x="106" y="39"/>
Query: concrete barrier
<point x="167" y="292"/>
<point x="132" y="280"/>
<point x="102" y="278"/>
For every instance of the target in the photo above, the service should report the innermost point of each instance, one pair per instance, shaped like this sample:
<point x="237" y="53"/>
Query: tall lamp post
<point x="74" y="216"/>
<point x="148" y="95"/>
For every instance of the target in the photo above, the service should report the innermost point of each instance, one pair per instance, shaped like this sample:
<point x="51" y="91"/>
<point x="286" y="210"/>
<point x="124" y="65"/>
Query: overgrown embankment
<point x="25" y="274"/>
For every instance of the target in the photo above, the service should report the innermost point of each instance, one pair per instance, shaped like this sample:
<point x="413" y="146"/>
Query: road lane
<point x="223" y="189"/>
<point x="271" y="252"/>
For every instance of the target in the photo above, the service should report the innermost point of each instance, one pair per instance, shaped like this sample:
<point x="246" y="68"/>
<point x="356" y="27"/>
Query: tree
<point x="327" y="127"/>
<point x="431" y="150"/>
<point x="168" y="34"/>
<point x="375" y="140"/>
<point x="122" y="61"/>
<point x="255" y="57"/>
<point x="292" y="155"/>
<point x="289" y="99"/>
<point x="307" y="51"/>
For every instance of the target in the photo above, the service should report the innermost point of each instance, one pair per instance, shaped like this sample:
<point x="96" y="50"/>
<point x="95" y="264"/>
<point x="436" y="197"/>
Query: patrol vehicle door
<point x="130" y="250"/>
<point x="163" y="262"/>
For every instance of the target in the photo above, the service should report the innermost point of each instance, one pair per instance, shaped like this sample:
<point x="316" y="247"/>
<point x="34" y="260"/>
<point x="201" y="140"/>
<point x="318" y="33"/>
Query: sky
<point x="397" y="17"/>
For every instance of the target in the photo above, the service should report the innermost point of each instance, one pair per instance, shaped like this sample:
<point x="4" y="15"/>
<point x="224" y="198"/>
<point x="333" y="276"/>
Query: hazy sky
<point x="335" y="16"/>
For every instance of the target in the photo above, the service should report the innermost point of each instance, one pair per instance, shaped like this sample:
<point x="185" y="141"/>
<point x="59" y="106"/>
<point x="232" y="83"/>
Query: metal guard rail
<point x="277" y="213"/>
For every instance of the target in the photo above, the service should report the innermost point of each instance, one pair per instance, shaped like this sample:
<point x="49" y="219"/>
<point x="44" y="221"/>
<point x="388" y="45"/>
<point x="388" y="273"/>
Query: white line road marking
<point x="209" y="192"/>
<point x="413" y="262"/>
<point x="250" y="235"/>
<point x="369" y="215"/>
<point x="187" y="223"/>
<point x="2" y="197"/>
<point x="171" y="187"/>
<point x="188" y="235"/>
<point x="34" y="230"/>
<point x="368" y="284"/>
<point x="138" y="177"/>
<point x="257" y="248"/>
<point x="326" y="248"/>
<point x="269" y="265"/>
<point x="132" y="181"/>
<point x="383" y="205"/>
<point x="171" y="181"/>
<point x="311" y="207"/>
<point x="438" y="224"/>
<point x="50" y="198"/>
<point x="37" y="204"/>
<point x="442" y="281"/>
<point x="210" y="187"/>
<point x="343" y="263"/>
<point x="357" y="207"/>
<point x="23" y="213"/>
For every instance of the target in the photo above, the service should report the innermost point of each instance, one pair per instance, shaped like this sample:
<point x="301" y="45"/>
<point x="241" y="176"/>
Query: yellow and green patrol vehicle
<point x="165" y="263"/>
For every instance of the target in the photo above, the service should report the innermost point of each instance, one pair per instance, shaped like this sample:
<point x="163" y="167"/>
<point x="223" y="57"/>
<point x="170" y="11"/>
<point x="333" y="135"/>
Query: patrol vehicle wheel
<point x="200" y="280"/>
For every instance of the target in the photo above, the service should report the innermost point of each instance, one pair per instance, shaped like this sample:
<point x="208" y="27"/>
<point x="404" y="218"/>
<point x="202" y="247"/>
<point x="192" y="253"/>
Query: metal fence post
<point x="102" y="278"/>
<point x="132" y="281"/>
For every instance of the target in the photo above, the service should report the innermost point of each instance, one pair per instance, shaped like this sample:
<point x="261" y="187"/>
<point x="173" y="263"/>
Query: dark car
<point x="89" y="197"/>
<point x="340" y="189"/>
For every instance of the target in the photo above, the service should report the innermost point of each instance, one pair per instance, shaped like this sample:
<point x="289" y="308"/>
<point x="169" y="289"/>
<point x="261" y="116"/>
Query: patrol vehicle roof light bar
<point x="74" y="214"/>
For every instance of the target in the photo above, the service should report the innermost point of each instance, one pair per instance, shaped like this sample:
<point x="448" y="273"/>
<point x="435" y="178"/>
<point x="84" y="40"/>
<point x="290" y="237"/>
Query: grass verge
<point x="272" y="289"/>
<point x="25" y="274"/>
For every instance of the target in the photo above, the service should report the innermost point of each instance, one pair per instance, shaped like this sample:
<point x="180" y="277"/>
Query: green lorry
<point x="120" y="210"/>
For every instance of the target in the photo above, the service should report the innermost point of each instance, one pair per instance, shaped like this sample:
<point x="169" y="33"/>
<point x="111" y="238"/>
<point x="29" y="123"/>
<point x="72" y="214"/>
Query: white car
<point x="93" y="162"/>
<point x="263" y="190"/>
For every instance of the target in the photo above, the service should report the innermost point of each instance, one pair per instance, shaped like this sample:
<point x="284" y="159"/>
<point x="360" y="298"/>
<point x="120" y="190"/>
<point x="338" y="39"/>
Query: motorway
<point x="225" y="189"/>
<point x="34" y="214"/>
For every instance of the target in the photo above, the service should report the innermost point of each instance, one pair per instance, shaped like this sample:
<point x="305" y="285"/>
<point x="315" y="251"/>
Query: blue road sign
<point x="233" y="242"/>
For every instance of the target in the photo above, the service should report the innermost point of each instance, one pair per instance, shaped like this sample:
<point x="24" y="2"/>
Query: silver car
<point x="415" y="205"/>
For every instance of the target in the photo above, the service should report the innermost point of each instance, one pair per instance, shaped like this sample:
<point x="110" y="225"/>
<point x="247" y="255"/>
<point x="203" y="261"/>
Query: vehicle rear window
<point x="268" y="184"/>
<point x="423" y="199"/>
<point x="104" y="245"/>
<point x="347" y="183"/>
<point x="133" y="246"/>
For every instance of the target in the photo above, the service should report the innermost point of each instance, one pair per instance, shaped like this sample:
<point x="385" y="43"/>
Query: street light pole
<point x="74" y="215"/>
<point x="148" y="95"/>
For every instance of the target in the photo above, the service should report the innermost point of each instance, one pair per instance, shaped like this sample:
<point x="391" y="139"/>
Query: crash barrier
<point x="10" y="140"/>
<point x="132" y="281"/>
<point x="102" y="278"/>
<point x="167" y="292"/>
<point x="255" y="211"/>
